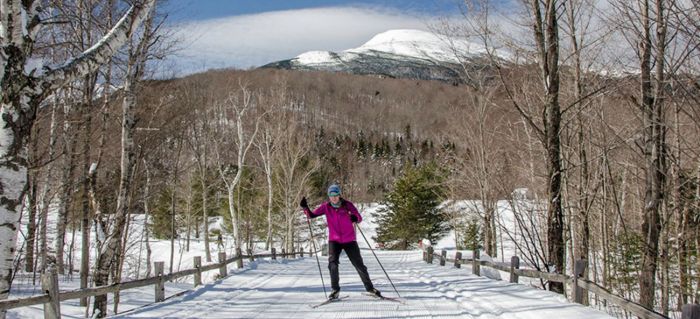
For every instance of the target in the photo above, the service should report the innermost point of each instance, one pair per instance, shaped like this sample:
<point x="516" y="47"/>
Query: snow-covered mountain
<point x="411" y="54"/>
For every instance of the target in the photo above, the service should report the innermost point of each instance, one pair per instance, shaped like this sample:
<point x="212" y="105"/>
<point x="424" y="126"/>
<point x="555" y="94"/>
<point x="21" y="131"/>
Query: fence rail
<point x="52" y="297"/>
<point x="691" y="311"/>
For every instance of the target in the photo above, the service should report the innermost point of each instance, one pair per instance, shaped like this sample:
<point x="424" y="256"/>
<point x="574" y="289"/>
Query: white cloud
<point x="254" y="40"/>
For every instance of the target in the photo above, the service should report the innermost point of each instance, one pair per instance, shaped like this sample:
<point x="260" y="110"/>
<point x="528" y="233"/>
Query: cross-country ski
<point x="329" y="300"/>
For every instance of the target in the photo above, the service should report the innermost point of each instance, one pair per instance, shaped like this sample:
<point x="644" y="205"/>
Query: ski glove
<point x="353" y="218"/>
<point x="303" y="204"/>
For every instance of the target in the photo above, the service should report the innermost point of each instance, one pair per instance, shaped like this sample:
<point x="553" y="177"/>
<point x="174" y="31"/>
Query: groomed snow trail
<point x="287" y="289"/>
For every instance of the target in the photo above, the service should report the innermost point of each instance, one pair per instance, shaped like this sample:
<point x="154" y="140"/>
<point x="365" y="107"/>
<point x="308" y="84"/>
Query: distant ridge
<point x="404" y="53"/>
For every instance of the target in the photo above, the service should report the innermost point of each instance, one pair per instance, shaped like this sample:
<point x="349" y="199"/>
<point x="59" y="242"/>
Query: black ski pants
<point x="353" y="252"/>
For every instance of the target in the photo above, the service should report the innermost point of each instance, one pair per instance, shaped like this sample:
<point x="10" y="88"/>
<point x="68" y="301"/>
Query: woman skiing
<point x="340" y="216"/>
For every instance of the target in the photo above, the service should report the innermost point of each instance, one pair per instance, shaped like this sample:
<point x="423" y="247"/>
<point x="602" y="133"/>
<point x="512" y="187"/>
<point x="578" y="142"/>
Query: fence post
<point x="198" y="274"/>
<point x="274" y="253"/>
<point x="690" y="311"/>
<point x="476" y="266"/>
<point x="160" y="285"/>
<point x="514" y="264"/>
<point x="443" y="256"/>
<point x="458" y="259"/>
<point x="579" y="268"/>
<point x="251" y="258"/>
<point x="430" y="255"/>
<point x="239" y="258"/>
<point x="222" y="268"/>
<point x="301" y="252"/>
<point x="324" y="250"/>
<point x="49" y="284"/>
<point x="284" y="253"/>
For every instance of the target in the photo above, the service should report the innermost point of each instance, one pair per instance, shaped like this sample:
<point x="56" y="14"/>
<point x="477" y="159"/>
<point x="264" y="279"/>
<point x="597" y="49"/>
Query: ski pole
<point x="380" y="263"/>
<point x="313" y="243"/>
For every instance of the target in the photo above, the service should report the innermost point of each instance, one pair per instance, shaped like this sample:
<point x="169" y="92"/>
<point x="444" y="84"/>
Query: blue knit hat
<point x="334" y="190"/>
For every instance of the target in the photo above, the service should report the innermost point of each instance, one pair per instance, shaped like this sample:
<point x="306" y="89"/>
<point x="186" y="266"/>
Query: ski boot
<point x="374" y="292"/>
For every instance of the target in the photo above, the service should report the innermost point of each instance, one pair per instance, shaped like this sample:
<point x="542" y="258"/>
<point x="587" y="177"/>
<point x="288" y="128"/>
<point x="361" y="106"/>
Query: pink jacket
<point x="340" y="227"/>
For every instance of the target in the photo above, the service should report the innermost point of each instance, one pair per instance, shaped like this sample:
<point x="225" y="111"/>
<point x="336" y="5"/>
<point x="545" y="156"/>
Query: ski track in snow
<point x="286" y="289"/>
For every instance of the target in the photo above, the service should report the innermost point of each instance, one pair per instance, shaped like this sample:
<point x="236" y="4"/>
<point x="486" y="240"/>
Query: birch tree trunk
<point x="89" y="195"/>
<point x="110" y="249"/>
<point x="44" y="197"/>
<point x="265" y="148"/>
<point x="22" y="91"/>
<point x="106" y="256"/>
<point x="240" y="106"/>
<point x="230" y="191"/>
<point x="70" y="142"/>
<point x="295" y="170"/>
<point x="198" y="143"/>
<point x="69" y="159"/>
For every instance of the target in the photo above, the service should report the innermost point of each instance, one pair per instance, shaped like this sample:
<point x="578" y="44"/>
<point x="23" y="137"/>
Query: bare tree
<point x="582" y="29"/>
<point x="478" y="127"/>
<point x="22" y="91"/>
<point x="650" y="45"/>
<point x="543" y="19"/>
<point x="232" y="116"/>
<point x="198" y="140"/>
<point x="267" y="144"/>
<point x="296" y="166"/>
<point x="107" y="255"/>
<point x="146" y="213"/>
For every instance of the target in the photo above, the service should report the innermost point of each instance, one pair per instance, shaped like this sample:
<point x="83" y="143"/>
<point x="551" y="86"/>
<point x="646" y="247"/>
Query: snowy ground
<point x="286" y="288"/>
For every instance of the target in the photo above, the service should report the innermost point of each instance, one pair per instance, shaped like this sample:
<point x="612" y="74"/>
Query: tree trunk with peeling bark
<point x="22" y="91"/>
<point x="108" y="256"/>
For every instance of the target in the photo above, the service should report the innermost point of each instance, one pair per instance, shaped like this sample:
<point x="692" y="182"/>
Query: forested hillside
<point x="583" y="118"/>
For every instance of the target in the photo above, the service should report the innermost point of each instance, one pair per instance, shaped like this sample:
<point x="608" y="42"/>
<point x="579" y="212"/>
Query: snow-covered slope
<point x="421" y="45"/>
<point x="399" y="54"/>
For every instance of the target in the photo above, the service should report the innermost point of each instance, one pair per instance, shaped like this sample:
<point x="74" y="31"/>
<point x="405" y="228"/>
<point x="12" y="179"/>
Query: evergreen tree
<point x="625" y="261"/>
<point x="412" y="208"/>
<point x="161" y="218"/>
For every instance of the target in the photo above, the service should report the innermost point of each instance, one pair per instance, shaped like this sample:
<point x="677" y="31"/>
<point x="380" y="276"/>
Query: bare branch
<point x="93" y="57"/>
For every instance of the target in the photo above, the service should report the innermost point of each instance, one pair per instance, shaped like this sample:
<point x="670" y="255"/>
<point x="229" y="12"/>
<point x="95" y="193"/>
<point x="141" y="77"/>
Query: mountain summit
<point x="413" y="54"/>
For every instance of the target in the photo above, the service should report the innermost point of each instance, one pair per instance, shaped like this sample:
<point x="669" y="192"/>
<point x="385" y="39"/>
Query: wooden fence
<point x="577" y="286"/>
<point x="52" y="297"/>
